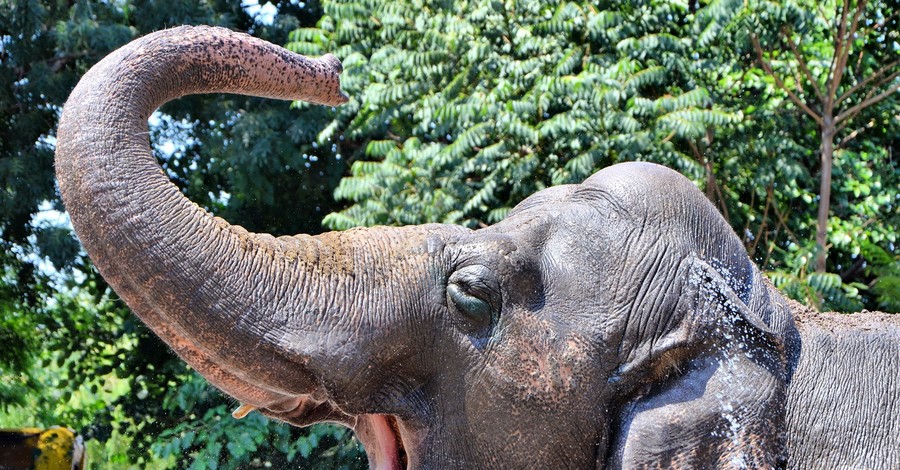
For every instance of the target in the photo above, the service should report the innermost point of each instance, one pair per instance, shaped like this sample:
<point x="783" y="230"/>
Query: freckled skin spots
<point x="615" y="323"/>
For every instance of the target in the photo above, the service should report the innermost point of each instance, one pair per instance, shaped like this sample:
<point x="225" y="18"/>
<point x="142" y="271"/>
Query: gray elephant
<point x="615" y="323"/>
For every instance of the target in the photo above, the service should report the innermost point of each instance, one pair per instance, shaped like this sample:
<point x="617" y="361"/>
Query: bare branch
<point x="846" y="46"/>
<point x="803" y="66"/>
<point x="794" y="98"/>
<point x="860" y="8"/>
<point x="698" y="155"/>
<point x="869" y="79"/>
<point x="850" y="136"/>
<point x="668" y="137"/>
<point x="884" y="81"/>
<point x="798" y="82"/>
<point x="878" y="25"/>
<point x="743" y="233"/>
<point x="839" y="34"/>
<point x="722" y="202"/>
<point x="782" y="218"/>
<point x="869" y="93"/>
<point x="713" y="190"/>
<point x="866" y="103"/>
<point x="762" y="226"/>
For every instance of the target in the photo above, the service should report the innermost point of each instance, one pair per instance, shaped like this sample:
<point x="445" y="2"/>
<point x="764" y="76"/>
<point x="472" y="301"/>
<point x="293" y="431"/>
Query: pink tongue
<point x="387" y="444"/>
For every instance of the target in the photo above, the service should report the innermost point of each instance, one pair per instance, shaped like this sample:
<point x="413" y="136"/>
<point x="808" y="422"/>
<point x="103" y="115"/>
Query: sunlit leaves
<point x="207" y="437"/>
<point x="488" y="95"/>
<point x="470" y="108"/>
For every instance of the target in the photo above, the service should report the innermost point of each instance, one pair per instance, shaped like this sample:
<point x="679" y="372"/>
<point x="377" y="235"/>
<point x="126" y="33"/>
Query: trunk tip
<point x="334" y="66"/>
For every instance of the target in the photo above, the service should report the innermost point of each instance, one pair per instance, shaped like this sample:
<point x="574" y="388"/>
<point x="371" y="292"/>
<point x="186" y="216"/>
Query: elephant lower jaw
<point x="382" y="438"/>
<point x="389" y="442"/>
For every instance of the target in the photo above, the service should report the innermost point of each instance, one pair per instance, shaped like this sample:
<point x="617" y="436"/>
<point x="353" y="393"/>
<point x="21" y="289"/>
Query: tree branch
<point x="762" y="226"/>
<point x="885" y="21"/>
<point x="803" y="66"/>
<point x="839" y="35"/>
<point x="710" y="180"/>
<point x="866" y="103"/>
<point x="858" y="66"/>
<point x="713" y="190"/>
<point x="794" y="98"/>
<point x="850" y="274"/>
<point x="860" y="8"/>
<point x="782" y="219"/>
<point x="845" y="45"/>
<point x="850" y="137"/>
<point x="869" y="79"/>
<point x="743" y="234"/>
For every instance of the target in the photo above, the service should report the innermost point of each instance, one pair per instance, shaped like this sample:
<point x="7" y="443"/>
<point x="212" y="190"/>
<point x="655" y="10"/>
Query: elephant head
<point x="617" y="322"/>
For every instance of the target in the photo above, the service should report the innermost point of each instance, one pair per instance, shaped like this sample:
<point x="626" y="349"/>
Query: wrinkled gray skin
<point x="615" y="323"/>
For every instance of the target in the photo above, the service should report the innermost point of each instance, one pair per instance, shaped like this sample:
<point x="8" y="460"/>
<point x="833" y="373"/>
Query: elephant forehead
<point x="484" y="243"/>
<point x="535" y="229"/>
<point x="631" y="180"/>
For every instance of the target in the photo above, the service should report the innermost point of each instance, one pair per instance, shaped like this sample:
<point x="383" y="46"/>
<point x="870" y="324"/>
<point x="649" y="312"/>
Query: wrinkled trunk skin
<point x="248" y="311"/>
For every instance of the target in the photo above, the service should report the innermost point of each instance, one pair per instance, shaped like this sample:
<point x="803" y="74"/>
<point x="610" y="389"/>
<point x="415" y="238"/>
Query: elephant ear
<point x="712" y="389"/>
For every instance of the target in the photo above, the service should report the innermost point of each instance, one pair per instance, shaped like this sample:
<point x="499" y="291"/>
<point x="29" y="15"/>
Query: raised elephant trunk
<point x="215" y="293"/>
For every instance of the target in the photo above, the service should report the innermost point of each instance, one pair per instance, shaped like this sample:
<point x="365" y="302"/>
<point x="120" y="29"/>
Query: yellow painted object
<point x="56" y="448"/>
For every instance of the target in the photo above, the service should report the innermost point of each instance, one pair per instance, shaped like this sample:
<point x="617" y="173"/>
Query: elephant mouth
<point x="388" y="446"/>
<point x="387" y="440"/>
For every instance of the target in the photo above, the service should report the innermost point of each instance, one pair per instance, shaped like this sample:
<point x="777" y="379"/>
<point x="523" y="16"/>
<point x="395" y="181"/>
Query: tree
<point x="507" y="98"/>
<point x="36" y="73"/>
<point x="463" y="109"/>
<point x="835" y="61"/>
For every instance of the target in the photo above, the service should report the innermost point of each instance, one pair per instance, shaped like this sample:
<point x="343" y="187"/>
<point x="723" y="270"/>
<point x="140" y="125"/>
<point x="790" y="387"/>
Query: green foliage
<point x="44" y="48"/>
<point x="212" y="439"/>
<point x="507" y="99"/>
<point x="460" y="110"/>
<point x="17" y="347"/>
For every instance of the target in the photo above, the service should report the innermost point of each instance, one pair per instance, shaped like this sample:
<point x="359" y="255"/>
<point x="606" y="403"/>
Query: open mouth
<point x="381" y="435"/>
<point x="385" y="446"/>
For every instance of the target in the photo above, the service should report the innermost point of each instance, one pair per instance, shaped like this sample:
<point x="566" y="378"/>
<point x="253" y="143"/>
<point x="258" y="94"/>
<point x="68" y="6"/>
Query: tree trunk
<point x="827" y="133"/>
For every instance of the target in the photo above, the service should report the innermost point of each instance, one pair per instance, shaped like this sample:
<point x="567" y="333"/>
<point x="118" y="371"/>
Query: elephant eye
<point x="471" y="306"/>
<point x="474" y="292"/>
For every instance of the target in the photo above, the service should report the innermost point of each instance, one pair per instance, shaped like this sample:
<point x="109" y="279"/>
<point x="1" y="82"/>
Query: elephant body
<point x="616" y="323"/>
<point x="843" y="406"/>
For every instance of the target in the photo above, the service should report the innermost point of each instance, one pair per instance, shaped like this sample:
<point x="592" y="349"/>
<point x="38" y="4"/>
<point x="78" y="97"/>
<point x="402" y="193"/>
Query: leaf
<point x="650" y="75"/>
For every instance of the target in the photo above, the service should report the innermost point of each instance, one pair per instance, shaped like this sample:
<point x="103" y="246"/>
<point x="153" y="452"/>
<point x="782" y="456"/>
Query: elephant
<point x="616" y="323"/>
